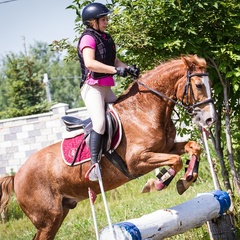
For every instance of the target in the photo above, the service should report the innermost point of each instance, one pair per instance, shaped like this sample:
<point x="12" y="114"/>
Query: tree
<point x="23" y="90"/>
<point x="65" y="82"/>
<point x="43" y="57"/>
<point x="64" y="76"/>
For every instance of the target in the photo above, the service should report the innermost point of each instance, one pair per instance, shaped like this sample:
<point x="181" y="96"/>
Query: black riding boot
<point x="95" y="145"/>
<point x="95" y="149"/>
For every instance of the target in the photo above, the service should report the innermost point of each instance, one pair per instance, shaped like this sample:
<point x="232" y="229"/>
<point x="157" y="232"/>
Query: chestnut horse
<point x="46" y="188"/>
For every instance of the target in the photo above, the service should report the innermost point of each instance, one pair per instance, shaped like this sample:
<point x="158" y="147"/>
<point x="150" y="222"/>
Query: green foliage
<point x="14" y="211"/>
<point x="16" y="112"/>
<point x="64" y="83"/>
<point x="22" y="89"/>
<point x="64" y="75"/>
<point x="64" y="45"/>
<point x="150" y="31"/>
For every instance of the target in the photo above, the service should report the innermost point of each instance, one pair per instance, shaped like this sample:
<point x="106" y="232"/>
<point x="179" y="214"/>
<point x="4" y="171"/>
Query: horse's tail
<point x="6" y="190"/>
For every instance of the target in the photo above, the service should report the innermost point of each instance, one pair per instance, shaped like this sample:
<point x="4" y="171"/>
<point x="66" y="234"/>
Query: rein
<point x="188" y="85"/>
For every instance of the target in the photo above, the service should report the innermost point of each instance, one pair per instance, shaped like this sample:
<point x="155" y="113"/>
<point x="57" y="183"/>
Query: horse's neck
<point x="143" y="105"/>
<point x="162" y="79"/>
<point x="138" y="99"/>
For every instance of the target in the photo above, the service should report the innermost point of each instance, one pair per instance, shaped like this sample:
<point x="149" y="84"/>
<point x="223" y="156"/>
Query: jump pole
<point x="214" y="177"/>
<point x="169" y="222"/>
<point x="105" y="202"/>
<point x="92" y="198"/>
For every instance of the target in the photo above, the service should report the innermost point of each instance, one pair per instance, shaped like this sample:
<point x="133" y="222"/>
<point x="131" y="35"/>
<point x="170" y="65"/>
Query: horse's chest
<point x="166" y="138"/>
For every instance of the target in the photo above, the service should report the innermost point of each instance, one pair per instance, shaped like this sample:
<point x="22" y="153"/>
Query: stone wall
<point x="20" y="137"/>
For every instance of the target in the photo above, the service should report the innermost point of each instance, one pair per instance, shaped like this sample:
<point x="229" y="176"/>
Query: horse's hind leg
<point x="46" y="212"/>
<point x="49" y="229"/>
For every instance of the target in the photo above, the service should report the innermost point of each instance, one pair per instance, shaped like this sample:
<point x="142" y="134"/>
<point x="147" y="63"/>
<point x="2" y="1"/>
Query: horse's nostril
<point x="209" y="121"/>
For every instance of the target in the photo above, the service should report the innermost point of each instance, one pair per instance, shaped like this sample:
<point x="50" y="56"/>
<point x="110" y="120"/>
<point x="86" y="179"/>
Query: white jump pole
<point x="214" y="177"/>
<point x="169" y="222"/>
<point x="105" y="201"/>
<point x="92" y="198"/>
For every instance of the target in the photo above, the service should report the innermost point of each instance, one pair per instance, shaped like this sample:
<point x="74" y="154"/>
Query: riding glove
<point x="134" y="71"/>
<point x="121" y="71"/>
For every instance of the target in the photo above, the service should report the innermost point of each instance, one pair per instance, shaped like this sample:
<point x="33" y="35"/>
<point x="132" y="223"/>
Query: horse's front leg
<point x="166" y="176"/>
<point x="191" y="174"/>
<point x="156" y="160"/>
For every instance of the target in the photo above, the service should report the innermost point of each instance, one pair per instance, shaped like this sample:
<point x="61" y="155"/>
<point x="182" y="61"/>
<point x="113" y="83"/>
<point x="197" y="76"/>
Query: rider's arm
<point x="94" y="65"/>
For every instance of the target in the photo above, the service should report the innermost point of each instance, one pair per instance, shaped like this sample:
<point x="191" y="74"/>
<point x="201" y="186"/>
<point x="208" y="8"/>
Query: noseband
<point x="188" y="87"/>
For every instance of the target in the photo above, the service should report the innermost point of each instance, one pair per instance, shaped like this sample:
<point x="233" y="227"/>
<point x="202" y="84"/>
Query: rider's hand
<point x="134" y="71"/>
<point x="121" y="71"/>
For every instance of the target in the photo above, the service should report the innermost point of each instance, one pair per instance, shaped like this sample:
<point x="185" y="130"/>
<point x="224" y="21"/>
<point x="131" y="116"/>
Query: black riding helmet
<point x="94" y="11"/>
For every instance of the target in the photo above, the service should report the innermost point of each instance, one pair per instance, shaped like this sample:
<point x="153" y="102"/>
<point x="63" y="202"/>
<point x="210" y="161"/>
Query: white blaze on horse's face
<point x="203" y="110"/>
<point x="206" y="83"/>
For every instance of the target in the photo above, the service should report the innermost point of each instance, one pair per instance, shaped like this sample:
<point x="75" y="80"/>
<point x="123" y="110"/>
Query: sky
<point x="34" y="20"/>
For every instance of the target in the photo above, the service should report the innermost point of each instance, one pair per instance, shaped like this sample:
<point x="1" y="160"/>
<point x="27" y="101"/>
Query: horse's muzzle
<point x="203" y="118"/>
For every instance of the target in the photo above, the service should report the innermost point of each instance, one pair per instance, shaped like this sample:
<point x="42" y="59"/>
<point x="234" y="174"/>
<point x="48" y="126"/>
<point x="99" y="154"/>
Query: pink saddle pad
<point x="69" y="149"/>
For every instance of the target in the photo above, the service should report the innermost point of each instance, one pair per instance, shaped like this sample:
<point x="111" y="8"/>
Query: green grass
<point x="125" y="202"/>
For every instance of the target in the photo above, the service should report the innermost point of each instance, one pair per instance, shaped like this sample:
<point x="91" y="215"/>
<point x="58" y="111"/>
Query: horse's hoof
<point x="149" y="186"/>
<point x="181" y="187"/>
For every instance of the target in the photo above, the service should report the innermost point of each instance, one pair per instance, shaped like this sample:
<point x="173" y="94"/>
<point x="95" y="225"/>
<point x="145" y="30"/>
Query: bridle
<point x="188" y="88"/>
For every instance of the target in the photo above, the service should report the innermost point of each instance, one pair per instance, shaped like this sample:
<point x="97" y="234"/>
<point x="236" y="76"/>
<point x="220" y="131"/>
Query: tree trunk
<point x="228" y="132"/>
<point x="223" y="228"/>
<point x="217" y="145"/>
<point x="229" y="141"/>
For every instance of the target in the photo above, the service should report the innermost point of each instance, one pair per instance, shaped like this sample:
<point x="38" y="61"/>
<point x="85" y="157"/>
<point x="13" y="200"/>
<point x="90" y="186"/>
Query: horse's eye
<point x="198" y="86"/>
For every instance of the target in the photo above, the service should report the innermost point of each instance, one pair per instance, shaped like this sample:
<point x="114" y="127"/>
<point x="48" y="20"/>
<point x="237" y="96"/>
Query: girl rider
<point x="97" y="54"/>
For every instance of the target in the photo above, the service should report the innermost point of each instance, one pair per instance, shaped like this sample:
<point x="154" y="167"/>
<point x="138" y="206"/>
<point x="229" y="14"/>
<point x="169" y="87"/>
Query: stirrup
<point x="91" y="174"/>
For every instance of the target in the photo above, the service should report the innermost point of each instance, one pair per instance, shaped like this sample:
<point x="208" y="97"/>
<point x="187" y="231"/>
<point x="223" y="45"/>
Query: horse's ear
<point x="188" y="63"/>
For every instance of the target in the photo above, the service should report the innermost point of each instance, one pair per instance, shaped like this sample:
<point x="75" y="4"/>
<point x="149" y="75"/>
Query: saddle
<point x="112" y="135"/>
<point x="111" y="140"/>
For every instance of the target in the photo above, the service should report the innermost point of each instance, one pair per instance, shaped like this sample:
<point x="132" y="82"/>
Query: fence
<point x="20" y="137"/>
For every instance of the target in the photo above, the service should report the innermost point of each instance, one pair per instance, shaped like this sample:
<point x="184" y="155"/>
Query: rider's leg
<point x="94" y="98"/>
<point x="110" y="96"/>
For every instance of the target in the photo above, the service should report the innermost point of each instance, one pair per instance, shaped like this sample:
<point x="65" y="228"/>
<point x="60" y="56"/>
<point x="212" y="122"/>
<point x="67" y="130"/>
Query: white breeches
<point x="95" y="97"/>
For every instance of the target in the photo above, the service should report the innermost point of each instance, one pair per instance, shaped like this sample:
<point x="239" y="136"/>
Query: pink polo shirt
<point x="89" y="41"/>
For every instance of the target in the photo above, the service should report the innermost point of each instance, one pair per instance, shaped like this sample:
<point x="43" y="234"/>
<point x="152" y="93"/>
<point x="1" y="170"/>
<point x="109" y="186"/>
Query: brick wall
<point x="20" y="137"/>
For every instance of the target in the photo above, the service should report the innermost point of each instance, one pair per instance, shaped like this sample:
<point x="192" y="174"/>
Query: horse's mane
<point x="173" y="68"/>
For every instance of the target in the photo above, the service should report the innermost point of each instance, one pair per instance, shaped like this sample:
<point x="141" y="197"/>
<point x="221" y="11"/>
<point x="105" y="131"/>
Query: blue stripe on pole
<point x="223" y="199"/>
<point x="131" y="229"/>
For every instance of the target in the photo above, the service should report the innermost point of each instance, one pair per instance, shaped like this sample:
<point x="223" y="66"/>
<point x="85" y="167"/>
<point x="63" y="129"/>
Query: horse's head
<point x="195" y="93"/>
